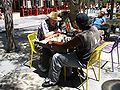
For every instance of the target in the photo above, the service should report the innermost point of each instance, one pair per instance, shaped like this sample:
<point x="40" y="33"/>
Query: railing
<point x="43" y="10"/>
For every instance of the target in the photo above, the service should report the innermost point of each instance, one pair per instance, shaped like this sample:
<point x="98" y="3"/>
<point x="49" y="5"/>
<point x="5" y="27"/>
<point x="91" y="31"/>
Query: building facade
<point x="18" y="4"/>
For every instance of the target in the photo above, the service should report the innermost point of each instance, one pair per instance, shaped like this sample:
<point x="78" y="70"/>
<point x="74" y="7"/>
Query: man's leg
<point x="101" y="35"/>
<point x="58" y="61"/>
<point x="45" y="59"/>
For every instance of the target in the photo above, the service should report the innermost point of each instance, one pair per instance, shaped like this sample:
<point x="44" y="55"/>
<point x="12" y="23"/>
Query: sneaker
<point x="42" y="68"/>
<point x="48" y="83"/>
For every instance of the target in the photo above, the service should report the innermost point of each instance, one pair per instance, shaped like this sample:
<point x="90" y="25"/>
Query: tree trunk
<point x="8" y="17"/>
<point x="74" y="10"/>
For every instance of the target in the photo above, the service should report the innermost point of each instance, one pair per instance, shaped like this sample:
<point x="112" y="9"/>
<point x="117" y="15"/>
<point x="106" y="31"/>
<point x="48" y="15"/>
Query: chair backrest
<point x="95" y="55"/>
<point x="31" y="38"/>
<point x="116" y="42"/>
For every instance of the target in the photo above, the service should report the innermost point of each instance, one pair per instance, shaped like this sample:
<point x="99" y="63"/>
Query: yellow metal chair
<point x="95" y="57"/>
<point x="31" y="38"/>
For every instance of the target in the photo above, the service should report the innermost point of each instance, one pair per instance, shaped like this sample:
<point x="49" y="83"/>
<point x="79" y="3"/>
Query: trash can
<point x="111" y="85"/>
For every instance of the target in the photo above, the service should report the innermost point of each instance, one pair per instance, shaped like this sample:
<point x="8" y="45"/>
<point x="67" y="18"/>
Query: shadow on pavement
<point x="40" y="73"/>
<point x="71" y="81"/>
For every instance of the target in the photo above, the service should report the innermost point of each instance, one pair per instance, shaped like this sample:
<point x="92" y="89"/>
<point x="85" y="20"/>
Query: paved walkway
<point x="15" y="73"/>
<point x="23" y="22"/>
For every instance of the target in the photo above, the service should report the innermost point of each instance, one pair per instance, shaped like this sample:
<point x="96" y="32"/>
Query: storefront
<point x="36" y="7"/>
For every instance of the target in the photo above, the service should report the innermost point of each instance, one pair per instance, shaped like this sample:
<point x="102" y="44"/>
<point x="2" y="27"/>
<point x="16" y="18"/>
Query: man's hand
<point x="36" y="40"/>
<point x="103" y="24"/>
<point x="50" y="42"/>
<point x="55" y="43"/>
<point x="49" y="34"/>
<point x="57" y="32"/>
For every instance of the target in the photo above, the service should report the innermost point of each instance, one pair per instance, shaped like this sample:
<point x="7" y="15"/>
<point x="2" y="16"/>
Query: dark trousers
<point x="45" y="57"/>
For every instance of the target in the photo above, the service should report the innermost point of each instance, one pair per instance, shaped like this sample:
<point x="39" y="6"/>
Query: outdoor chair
<point x="94" y="58"/>
<point x="110" y="48"/>
<point x="31" y="37"/>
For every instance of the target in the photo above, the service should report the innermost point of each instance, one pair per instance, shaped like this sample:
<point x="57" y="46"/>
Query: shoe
<point x="42" y="68"/>
<point x="48" y="83"/>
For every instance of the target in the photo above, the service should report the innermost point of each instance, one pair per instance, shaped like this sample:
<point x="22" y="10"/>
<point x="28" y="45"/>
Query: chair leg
<point x="99" y="71"/>
<point x="118" y="55"/>
<point x="65" y="73"/>
<point x="112" y="62"/>
<point x="31" y="59"/>
<point x="87" y="79"/>
<point x="94" y="72"/>
<point x="80" y="79"/>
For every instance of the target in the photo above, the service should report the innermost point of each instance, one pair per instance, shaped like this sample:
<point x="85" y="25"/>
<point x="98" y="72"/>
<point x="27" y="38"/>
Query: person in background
<point x="84" y="42"/>
<point x="0" y="14"/>
<point x="100" y="23"/>
<point x="117" y="7"/>
<point x="100" y="20"/>
<point x="46" y="28"/>
<point x="108" y="11"/>
<point x="66" y="25"/>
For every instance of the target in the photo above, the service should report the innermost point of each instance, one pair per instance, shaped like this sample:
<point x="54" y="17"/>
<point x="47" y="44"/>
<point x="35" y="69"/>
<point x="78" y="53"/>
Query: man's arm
<point x="75" y="42"/>
<point x="104" y="21"/>
<point x="49" y="34"/>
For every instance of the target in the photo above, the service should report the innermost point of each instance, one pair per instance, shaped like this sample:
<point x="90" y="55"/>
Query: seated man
<point x="46" y="28"/>
<point x="66" y="24"/>
<point x="100" y="20"/>
<point x="84" y="42"/>
<point x="100" y="23"/>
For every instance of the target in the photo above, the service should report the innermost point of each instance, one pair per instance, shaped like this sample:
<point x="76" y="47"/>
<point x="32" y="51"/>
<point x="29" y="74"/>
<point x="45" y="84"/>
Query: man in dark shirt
<point x="84" y="42"/>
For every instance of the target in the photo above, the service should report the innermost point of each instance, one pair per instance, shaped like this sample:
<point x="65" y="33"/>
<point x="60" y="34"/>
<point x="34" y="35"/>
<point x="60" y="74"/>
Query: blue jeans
<point x="101" y="27"/>
<point x="60" y="60"/>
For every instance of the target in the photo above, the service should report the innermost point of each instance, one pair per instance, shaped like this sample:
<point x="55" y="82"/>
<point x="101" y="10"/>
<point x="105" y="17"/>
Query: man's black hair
<point x="82" y="21"/>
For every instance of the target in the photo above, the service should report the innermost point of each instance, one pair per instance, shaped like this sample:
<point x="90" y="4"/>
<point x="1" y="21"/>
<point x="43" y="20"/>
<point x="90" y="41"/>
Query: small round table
<point x="111" y="85"/>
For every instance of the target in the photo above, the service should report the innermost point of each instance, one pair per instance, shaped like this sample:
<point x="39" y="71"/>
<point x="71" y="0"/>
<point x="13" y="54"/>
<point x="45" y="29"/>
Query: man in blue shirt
<point x="100" y="20"/>
<point x="100" y="23"/>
